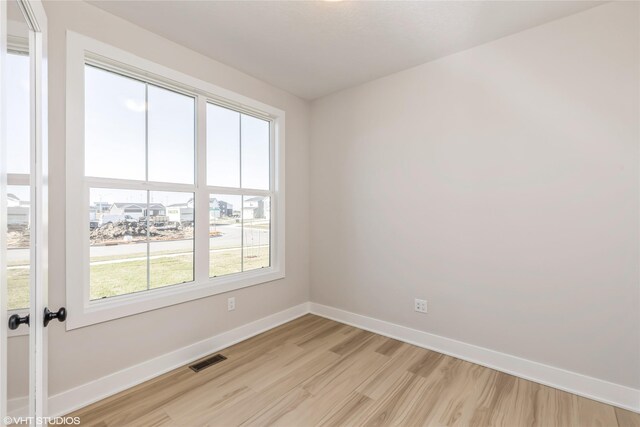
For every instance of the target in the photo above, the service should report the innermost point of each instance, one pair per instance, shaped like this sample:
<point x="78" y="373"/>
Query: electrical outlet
<point x="231" y="303"/>
<point x="420" y="305"/>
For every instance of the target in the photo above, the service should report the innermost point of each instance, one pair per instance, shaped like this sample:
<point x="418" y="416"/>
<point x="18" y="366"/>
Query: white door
<point x="23" y="212"/>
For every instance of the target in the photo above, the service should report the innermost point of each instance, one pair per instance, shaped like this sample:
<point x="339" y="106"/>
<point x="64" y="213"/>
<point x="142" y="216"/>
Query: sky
<point x="18" y="113"/>
<point x="122" y="113"/>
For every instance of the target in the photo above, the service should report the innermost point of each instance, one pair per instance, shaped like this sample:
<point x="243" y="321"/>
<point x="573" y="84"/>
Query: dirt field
<point x="18" y="238"/>
<point x="123" y="232"/>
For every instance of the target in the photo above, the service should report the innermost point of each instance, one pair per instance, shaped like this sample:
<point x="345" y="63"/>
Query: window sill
<point x="99" y="311"/>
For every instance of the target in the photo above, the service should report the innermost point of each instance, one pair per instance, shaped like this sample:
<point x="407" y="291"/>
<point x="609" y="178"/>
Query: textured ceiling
<point x="313" y="48"/>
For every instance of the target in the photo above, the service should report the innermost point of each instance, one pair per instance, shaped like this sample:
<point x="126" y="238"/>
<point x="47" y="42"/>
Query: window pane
<point x="118" y="242"/>
<point x="114" y="125"/>
<point x="255" y="153"/>
<point x="171" y="133"/>
<point x="171" y="221"/>
<point x="223" y="147"/>
<point x="256" y="224"/>
<point x="18" y="256"/>
<point x="225" y="234"/>
<point x="18" y="146"/>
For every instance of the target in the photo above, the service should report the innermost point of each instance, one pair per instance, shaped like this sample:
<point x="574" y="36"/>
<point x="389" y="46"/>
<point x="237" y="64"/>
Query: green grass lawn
<point x="109" y="280"/>
<point x="127" y="277"/>
<point x="255" y="258"/>
<point x="18" y="288"/>
<point x="230" y="261"/>
<point x="266" y="226"/>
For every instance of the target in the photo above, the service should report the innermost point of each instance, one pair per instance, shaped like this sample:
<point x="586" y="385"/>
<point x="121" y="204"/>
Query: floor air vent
<point x="209" y="361"/>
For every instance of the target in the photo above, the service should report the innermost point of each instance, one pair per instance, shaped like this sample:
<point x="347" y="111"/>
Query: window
<point x="238" y="148"/>
<point x="178" y="194"/>
<point x="18" y="177"/>
<point x="138" y="133"/>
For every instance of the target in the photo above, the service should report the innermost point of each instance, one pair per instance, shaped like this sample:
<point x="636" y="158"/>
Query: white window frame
<point x="82" y="311"/>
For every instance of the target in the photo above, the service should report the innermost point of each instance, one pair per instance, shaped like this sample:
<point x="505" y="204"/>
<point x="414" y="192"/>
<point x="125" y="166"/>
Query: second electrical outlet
<point x="420" y="305"/>
<point x="231" y="303"/>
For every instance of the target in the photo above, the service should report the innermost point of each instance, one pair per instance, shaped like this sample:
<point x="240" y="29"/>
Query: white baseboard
<point x="593" y="388"/>
<point x="76" y="398"/>
<point x="582" y="385"/>
<point x="18" y="407"/>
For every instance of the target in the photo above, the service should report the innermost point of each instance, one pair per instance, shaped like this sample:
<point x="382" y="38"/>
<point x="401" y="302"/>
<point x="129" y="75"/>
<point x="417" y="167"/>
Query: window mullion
<point x="138" y="185"/>
<point x="146" y="177"/>
<point x="242" y="233"/>
<point x="241" y="199"/>
<point x="146" y="132"/>
<point x="201" y="215"/>
<point x="240" y="151"/>
<point x="18" y="179"/>
<point x="148" y="243"/>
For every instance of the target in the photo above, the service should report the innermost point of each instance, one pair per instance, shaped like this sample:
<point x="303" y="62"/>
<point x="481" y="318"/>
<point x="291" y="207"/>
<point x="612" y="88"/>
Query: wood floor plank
<point x="389" y="347"/>
<point x="491" y="398"/>
<point x="326" y="330"/>
<point x="155" y="418"/>
<point x="545" y="406"/>
<point x="274" y="386"/>
<point x="331" y="387"/>
<point x="394" y="408"/>
<point x="214" y="377"/>
<point x="354" y="343"/>
<point x="459" y="394"/>
<point x="627" y="418"/>
<point x="519" y="403"/>
<point x="595" y="414"/>
<point x="427" y="363"/>
<point x="377" y="384"/>
<point x="567" y="409"/>
<point x="314" y="371"/>
<point x="286" y="404"/>
<point x="354" y="406"/>
<point x="439" y="384"/>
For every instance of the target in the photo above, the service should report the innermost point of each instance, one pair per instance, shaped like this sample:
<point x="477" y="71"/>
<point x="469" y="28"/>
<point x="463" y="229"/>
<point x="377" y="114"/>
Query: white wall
<point x="82" y="355"/>
<point x="499" y="183"/>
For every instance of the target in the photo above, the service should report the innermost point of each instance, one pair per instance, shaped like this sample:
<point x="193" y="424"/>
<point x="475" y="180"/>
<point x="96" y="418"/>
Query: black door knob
<point x="61" y="315"/>
<point x="15" y="321"/>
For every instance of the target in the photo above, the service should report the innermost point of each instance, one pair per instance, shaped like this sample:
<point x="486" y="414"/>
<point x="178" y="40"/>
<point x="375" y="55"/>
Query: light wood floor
<point x="314" y="371"/>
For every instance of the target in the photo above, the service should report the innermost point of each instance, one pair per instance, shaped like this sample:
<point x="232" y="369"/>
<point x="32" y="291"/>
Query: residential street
<point x="230" y="238"/>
